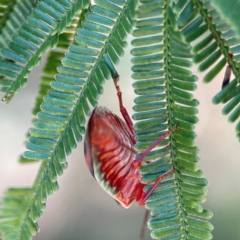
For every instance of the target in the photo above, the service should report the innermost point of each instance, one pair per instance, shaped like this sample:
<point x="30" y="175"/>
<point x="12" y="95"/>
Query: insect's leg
<point x="144" y="153"/>
<point x="152" y="189"/>
<point x="160" y="139"/>
<point x="141" y="237"/>
<point x="123" y="110"/>
<point x="115" y="77"/>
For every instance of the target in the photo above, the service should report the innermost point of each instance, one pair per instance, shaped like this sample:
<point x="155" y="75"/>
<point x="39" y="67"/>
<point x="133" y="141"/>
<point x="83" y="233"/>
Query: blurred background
<point x="81" y="210"/>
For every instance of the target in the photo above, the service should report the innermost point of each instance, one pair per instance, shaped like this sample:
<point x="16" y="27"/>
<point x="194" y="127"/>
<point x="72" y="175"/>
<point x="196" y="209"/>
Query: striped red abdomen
<point x="109" y="154"/>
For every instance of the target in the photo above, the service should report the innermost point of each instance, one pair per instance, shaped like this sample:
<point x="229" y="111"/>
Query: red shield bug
<point x="110" y="154"/>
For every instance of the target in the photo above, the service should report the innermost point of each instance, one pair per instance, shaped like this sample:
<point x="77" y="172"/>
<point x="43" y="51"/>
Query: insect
<point x="110" y="154"/>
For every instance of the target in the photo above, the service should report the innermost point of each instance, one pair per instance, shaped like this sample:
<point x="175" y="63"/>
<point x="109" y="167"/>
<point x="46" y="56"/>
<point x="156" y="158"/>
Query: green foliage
<point x="168" y="36"/>
<point x="36" y="32"/>
<point x="171" y="82"/>
<point x="230" y="11"/>
<point x="218" y="46"/>
<point x="14" y="206"/>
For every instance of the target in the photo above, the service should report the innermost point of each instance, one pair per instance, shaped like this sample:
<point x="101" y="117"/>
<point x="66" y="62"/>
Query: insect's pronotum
<point x="110" y="154"/>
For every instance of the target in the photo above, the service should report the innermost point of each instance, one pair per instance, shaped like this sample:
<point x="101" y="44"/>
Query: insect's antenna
<point x="227" y="76"/>
<point x="115" y="77"/>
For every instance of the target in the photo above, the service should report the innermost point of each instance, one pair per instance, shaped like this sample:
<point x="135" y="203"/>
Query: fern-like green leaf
<point x="229" y="10"/>
<point x="195" y="26"/>
<point x="13" y="208"/>
<point x="60" y="123"/>
<point x="13" y="15"/>
<point x="163" y="82"/>
<point x="24" y="47"/>
<point x="54" y="61"/>
<point x="230" y="96"/>
<point x="218" y="47"/>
